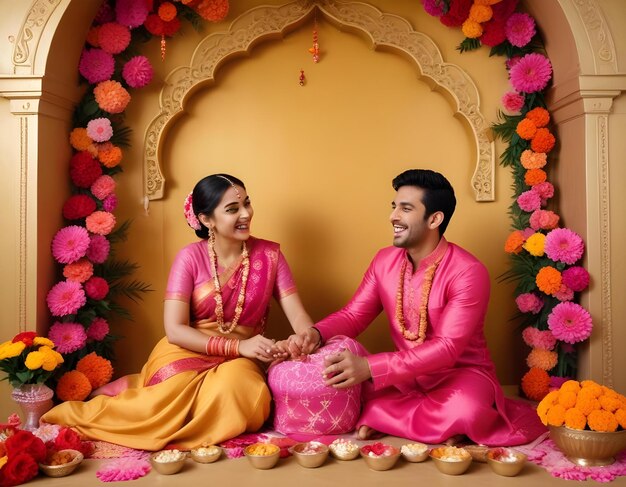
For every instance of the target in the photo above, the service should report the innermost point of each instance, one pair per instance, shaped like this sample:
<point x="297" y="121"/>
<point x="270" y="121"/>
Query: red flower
<point x="69" y="439"/>
<point x="457" y="14"/>
<point x="155" y="25"/>
<point x="170" y="28"/>
<point x="84" y="169"/>
<point x="19" y="469"/>
<point x="493" y="33"/>
<point x="26" y="336"/>
<point x="78" y="206"/>
<point x="97" y="288"/>
<point x="25" y="442"/>
<point x="504" y="9"/>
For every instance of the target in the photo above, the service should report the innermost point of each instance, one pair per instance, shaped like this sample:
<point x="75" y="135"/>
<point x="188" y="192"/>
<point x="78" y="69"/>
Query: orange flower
<point x="514" y="242"/>
<point x="540" y="116"/>
<point x="593" y="387"/>
<point x="167" y="11"/>
<point x="609" y="403"/>
<point x="620" y="415"/>
<point x="542" y="359"/>
<point x="571" y="386"/>
<point x="556" y="415"/>
<point x="78" y="271"/>
<point x="111" y="96"/>
<point x="545" y="404"/>
<point x="543" y="141"/>
<point x="98" y="370"/>
<point x="567" y="399"/>
<point x="73" y="386"/>
<point x="533" y="160"/>
<point x="548" y="280"/>
<point x="472" y="29"/>
<point x="601" y="420"/>
<point x="79" y="139"/>
<point x="527" y="129"/>
<point x="575" y="419"/>
<point x="480" y="13"/>
<point x="109" y="155"/>
<point x="586" y="403"/>
<point x="92" y="36"/>
<point x="212" y="10"/>
<point x="535" y="384"/>
<point x="535" y="176"/>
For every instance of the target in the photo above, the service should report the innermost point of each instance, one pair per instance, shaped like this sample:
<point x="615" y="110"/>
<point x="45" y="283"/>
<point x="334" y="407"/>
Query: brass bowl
<point x="341" y="454"/>
<point x="588" y="448"/>
<point x="506" y="461"/>
<point x="200" y="455"/>
<point x="64" y="469"/>
<point x="262" y="462"/>
<point x="169" y="467"/>
<point x="450" y="467"/>
<point x="381" y="462"/>
<point x="412" y="454"/>
<point x="310" y="454"/>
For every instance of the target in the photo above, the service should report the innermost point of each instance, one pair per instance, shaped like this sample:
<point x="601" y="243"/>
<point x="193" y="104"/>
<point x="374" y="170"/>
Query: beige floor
<point x="355" y="473"/>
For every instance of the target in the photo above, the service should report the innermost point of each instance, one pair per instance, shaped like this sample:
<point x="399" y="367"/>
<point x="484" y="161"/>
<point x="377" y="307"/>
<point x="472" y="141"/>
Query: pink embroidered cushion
<point x="304" y="405"/>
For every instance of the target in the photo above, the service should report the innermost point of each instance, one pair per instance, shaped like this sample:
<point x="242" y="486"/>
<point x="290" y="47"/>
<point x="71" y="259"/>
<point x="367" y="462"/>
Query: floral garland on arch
<point x="82" y="301"/>
<point x="545" y="258"/>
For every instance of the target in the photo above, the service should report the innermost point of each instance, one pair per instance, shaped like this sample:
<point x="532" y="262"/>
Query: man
<point x="440" y="383"/>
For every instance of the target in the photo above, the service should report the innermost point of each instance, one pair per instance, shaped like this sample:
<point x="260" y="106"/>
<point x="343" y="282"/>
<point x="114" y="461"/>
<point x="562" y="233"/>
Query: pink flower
<point x="98" y="329"/>
<point x="570" y="322"/>
<point x="513" y="102"/>
<point x="563" y="245"/>
<point x="70" y="244"/>
<point x="97" y="288"/>
<point x="122" y="469"/>
<point x="542" y="339"/>
<point x="529" y="201"/>
<point x="520" y="29"/>
<point x="99" y="129"/>
<point x="105" y="14"/>
<point x="131" y="13"/>
<point x="556" y="382"/>
<point x="78" y="271"/>
<point x="527" y="232"/>
<point x="576" y="278"/>
<point x="512" y="62"/>
<point x="531" y="73"/>
<point x="564" y="294"/>
<point x="109" y="203"/>
<point x="529" y="303"/>
<point x="113" y="37"/>
<point x="103" y="187"/>
<point x="65" y="298"/>
<point x="137" y="72"/>
<point x="68" y="337"/>
<point x="545" y="191"/>
<point x="96" y="65"/>
<point x="544" y="220"/>
<point x="190" y="216"/>
<point x="433" y="7"/>
<point x="98" y="250"/>
<point x="100" y="222"/>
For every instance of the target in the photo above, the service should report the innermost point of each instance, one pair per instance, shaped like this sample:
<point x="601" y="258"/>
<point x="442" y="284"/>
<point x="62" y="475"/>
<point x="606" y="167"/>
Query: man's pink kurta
<point x="447" y="385"/>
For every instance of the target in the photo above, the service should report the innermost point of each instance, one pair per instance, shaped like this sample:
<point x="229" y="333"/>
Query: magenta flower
<point x="109" y="203"/>
<point x="95" y="65"/>
<point x="433" y="7"/>
<point x="68" y="337"/>
<point x="97" y="288"/>
<point x="531" y="73"/>
<point x="545" y="191"/>
<point x="113" y="37"/>
<point x="131" y="13"/>
<point x="98" y="329"/>
<point x="556" y="382"/>
<point x="529" y="201"/>
<point x="99" y="129"/>
<point x="137" y="72"/>
<point x="98" y="250"/>
<point x="70" y="244"/>
<point x="520" y="29"/>
<point x="534" y="338"/>
<point x="544" y="220"/>
<point x="104" y="14"/>
<point x="529" y="303"/>
<point x="570" y="322"/>
<point x="103" y="186"/>
<point x="576" y="278"/>
<point x="564" y="293"/>
<point x="65" y="298"/>
<point x="512" y="62"/>
<point x="513" y="102"/>
<point x="564" y="245"/>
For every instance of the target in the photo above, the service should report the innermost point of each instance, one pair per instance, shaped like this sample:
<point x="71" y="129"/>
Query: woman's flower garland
<point x="544" y="256"/>
<point x="81" y="302"/>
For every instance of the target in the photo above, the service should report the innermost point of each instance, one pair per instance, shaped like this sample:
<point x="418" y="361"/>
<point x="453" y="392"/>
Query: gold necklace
<point x="219" y="303"/>
<point x="427" y="284"/>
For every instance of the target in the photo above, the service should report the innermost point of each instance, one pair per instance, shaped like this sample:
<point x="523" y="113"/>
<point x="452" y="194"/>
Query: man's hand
<point x="344" y="369"/>
<point x="303" y="343"/>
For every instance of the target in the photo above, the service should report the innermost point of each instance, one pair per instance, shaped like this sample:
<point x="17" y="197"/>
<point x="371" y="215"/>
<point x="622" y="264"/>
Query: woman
<point x="203" y="382"/>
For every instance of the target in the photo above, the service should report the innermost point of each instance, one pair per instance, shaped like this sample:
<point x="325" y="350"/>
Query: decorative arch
<point x="383" y="31"/>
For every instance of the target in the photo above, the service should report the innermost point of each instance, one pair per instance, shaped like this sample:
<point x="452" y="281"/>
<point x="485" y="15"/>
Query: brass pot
<point x="588" y="448"/>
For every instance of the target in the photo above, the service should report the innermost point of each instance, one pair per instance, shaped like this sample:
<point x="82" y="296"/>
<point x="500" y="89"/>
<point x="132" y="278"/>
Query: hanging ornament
<point x="315" y="50"/>
<point x="162" y="47"/>
<point x="301" y="78"/>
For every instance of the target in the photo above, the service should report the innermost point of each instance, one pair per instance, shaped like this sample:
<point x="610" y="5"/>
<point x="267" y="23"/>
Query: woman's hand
<point x="258" y="347"/>
<point x="304" y="343"/>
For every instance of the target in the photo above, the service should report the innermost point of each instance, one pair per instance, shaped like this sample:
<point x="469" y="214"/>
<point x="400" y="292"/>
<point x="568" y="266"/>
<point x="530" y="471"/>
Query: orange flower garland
<point x="584" y="405"/>
<point x="539" y="116"/>
<point x="98" y="370"/>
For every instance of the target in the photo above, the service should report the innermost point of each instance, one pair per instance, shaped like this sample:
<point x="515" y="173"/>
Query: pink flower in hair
<point x="192" y="219"/>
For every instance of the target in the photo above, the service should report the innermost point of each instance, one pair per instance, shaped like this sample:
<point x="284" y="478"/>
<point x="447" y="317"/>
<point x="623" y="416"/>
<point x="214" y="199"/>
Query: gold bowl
<point x="381" y="462"/>
<point x="414" y="452"/>
<point x="506" y="461"/>
<point x="262" y="455"/>
<point x="310" y="454"/>
<point x="206" y="454"/>
<point x="344" y="450"/>
<point x="451" y="460"/>
<point x="168" y="462"/>
<point x="588" y="448"/>
<point x="65" y="468"/>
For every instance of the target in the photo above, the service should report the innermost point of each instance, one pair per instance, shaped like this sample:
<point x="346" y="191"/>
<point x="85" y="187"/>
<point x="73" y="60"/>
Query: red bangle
<point x="222" y="346"/>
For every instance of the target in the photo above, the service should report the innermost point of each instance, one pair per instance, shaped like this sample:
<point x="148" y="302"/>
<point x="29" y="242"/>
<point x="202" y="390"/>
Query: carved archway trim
<point x="384" y="31"/>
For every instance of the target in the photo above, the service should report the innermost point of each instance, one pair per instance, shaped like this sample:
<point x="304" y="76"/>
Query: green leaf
<point x="121" y="135"/>
<point x="468" y="45"/>
<point x="132" y="290"/>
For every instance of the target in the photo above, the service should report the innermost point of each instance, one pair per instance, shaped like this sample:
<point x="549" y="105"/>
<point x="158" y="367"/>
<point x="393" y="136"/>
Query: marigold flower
<point x="167" y="11"/>
<point x="514" y="242"/>
<point x="73" y="386"/>
<point x="533" y="160"/>
<point x="100" y="222"/>
<point x="576" y="278"/>
<point x="571" y="386"/>
<point x="575" y="419"/>
<point x="113" y="37"/>
<point x="567" y="399"/>
<point x="520" y="29"/>
<point x="535" y="176"/>
<point x="556" y="415"/>
<point x="609" y="403"/>
<point x="472" y="29"/>
<point x="10" y="349"/>
<point x="131" y="13"/>
<point x="212" y="10"/>
<point x="545" y="404"/>
<point x="535" y="384"/>
<point x="79" y="139"/>
<point x="540" y="116"/>
<point x="535" y="244"/>
<point x="480" y="13"/>
<point x="531" y="73"/>
<point x="526" y="129"/>
<point x="529" y="303"/>
<point x="586" y="402"/>
<point x="548" y="280"/>
<point x="601" y="420"/>
<point x="542" y="359"/>
<point x="97" y="369"/>
<point x="543" y="141"/>
<point x="620" y="416"/>
<point x="111" y="96"/>
<point x="109" y="155"/>
<point x="529" y="201"/>
<point x="592" y="386"/>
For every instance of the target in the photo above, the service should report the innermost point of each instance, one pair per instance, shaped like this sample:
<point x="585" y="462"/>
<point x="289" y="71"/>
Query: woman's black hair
<point x="206" y="195"/>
